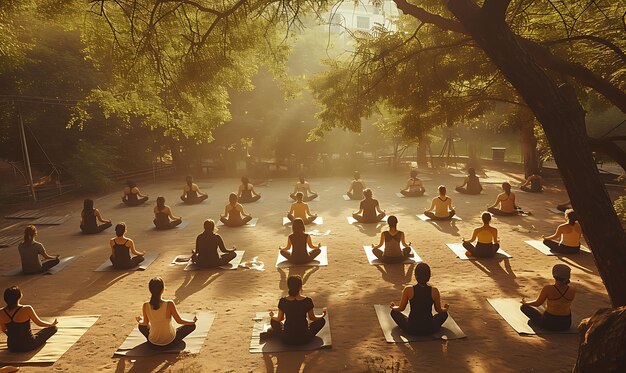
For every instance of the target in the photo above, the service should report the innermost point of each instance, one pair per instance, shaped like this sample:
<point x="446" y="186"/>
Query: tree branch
<point x="592" y="38"/>
<point x="496" y="9"/>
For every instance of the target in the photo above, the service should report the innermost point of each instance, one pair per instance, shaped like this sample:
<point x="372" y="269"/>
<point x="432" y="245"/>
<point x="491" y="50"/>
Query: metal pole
<point x="26" y="156"/>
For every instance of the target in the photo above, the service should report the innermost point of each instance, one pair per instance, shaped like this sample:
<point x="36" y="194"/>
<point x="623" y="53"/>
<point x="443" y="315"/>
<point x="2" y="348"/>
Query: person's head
<point x="294" y="284"/>
<point x="131" y="184"/>
<point x="422" y="273"/>
<point x="120" y="229"/>
<point x="367" y="193"/>
<point x="506" y="187"/>
<point x="392" y="221"/>
<point x="245" y="180"/>
<point x="156" y="287"/>
<point x="571" y="216"/>
<point x="413" y="174"/>
<point x="29" y="234"/>
<point x="12" y="296"/>
<point x="160" y="202"/>
<point x="189" y="180"/>
<point x="442" y="190"/>
<point x="209" y="225"/>
<point x="471" y="171"/>
<point x="486" y="217"/>
<point x="357" y="175"/>
<point x="561" y="273"/>
<point x="88" y="204"/>
<point x="302" y="179"/>
<point x="232" y="198"/>
<point x="299" y="196"/>
<point x="297" y="226"/>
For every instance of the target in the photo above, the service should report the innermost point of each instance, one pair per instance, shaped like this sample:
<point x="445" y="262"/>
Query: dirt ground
<point x="348" y="286"/>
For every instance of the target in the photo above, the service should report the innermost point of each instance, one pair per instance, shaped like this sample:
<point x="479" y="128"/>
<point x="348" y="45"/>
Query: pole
<point x="26" y="156"/>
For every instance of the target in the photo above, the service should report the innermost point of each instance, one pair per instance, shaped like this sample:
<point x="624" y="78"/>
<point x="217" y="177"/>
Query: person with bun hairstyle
<point x="422" y="297"/>
<point x="486" y="237"/>
<point x="303" y="187"/>
<point x="357" y="187"/>
<point x="298" y="241"/>
<point x="391" y="239"/>
<point x="163" y="217"/>
<point x="15" y="321"/>
<point x="88" y="216"/>
<point x="442" y="206"/>
<point x="506" y="202"/>
<point x="246" y="193"/>
<point x="234" y="214"/>
<point x="558" y="299"/>
<point x="471" y="184"/>
<point x="369" y="209"/>
<point x="30" y="251"/>
<point x="414" y="187"/>
<point x="568" y="233"/>
<point x="121" y="248"/>
<point x="294" y="309"/>
<point x="156" y="323"/>
<point x="132" y="196"/>
<point x="192" y="193"/>
<point x="207" y="243"/>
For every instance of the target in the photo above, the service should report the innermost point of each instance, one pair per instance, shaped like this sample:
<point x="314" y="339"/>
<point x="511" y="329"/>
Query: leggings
<point x="235" y="222"/>
<point x="181" y="333"/>
<point x="45" y="266"/>
<point x="419" y="328"/>
<point x="499" y="212"/>
<point x="277" y="328"/>
<point x="97" y="229"/>
<point x="222" y="260"/>
<point x="530" y="189"/>
<point x="169" y="225"/>
<point x="37" y="341"/>
<point x="464" y="190"/>
<point x="134" y="262"/>
<point x="392" y="259"/>
<point x="306" y="198"/>
<point x="194" y="200"/>
<point x="482" y="250"/>
<point x="299" y="257"/>
<point x="431" y="215"/>
<point x="308" y="220"/>
<point x="134" y="203"/>
<point x="249" y="199"/>
<point x="560" y="248"/>
<point x="546" y="320"/>
<point x="357" y="196"/>
<point x="362" y="219"/>
<point x="415" y="193"/>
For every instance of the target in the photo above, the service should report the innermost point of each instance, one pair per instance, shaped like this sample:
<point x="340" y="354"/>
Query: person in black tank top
<point x="471" y="185"/>
<point x="247" y="194"/>
<point x="132" y="196"/>
<point x="535" y="181"/>
<point x="163" y="214"/>
<point x="422" y="298"/>
<point x="88" y="224"/>
<point x="298" y="242"/>
<point x="191" y="193"/>
<point x="121" y="248"/>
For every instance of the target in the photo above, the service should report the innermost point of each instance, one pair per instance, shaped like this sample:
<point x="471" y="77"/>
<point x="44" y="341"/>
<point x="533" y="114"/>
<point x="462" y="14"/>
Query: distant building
<point x="350" y="16"/>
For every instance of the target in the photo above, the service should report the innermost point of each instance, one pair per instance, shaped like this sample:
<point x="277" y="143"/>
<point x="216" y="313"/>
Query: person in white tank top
<point x="157" y="322"/>
<point x="569" y="234"/>
<point x="303" y="187"/>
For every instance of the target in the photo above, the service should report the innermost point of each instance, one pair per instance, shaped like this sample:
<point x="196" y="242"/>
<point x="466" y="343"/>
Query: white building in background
<point x="349" y="16"/>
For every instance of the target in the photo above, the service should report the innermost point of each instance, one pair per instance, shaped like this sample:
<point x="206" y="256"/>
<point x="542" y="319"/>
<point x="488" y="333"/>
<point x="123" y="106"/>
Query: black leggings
<point x="223" y="260"/>
<point x="545" y="320"/>
<point x="37" y="341"/>
<point x="464" y="190"/>
<point x="431" y="215"/>
<point x="170" y="224"/>
<point x="560" y="248"/>
<point x="307" y="198"/>
<point x="194" y="200"/>
<point x="499" y="212"/>
<point x="181" y="333"/>
<point x="134" y="203"/>
<point x="419" y="329"/>
<point x="362" y="219"/>
<point x="277" y="329"/>
<point x="134" y="262"/>
<point x="482" y="250"/>
<point x="45" y="266"/>
<point x="300" y="258"/>
<point x="415" y="193"/>
<point x="392" y="259"/>
<point x="308" y="220"/>
<point x="97" y="229"/>
<point x="235" y="222"/>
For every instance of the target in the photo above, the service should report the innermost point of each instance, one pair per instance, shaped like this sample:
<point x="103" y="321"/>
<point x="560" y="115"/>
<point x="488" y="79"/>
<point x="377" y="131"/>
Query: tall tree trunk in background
<point x="563" y="121"/>
<point x="422" y="153"/>
<point x="177" y="157"/>
<point x="526" y="123"/>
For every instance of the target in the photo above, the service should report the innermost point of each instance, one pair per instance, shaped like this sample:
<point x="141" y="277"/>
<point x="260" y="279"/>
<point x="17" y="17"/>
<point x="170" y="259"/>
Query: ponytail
<point x="507" y="188"/>
<point x="29" y="234"/>
<point x="156" y="287"/>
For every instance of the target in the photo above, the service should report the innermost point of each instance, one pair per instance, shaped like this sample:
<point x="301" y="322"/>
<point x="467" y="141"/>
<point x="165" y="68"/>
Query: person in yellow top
<point x="486" y="237"/>
<point x="506" y="200"/>
<point x="558" y="298"/>
<point x="442" y="206"/>
<point x="301" y="210"/>
<point x="568" y="233"/>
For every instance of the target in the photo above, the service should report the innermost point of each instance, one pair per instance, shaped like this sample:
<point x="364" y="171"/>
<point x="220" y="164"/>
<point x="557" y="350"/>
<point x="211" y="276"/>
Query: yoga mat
<point x="319" y="220"/>
<point x="546" y="250"/>
<point x="182" y="225"/>
<point x="51" y="220"/>
<point x="70" y="329"/>
<point x="393" y="334"/>
<point x="373" y="260"/>
<point x="251" y="223"/>
<point x="492" y="181"/>
<point x="181" y="203"/>
<point x="400" y="195"/>
<point x="555" y="211"/>
<point x="509" y="309"/>
<point x="320" y="260"/>
<point x="64" y="262"/>
<point x="346" y="198"/>
<point x="317" y="233"/>
<point x="426" y="218"/>
<point x="25" y="214"/>
<point x="262" y="323"/>
<point x="136" y="344"/>
<point x="6" y="241"/>
<point x="459" y="250"/>
<point x="148" y="259"/>
<point x="352" y="220"/>
<point x="316" y="199"/>
<point x="233" y="264"/>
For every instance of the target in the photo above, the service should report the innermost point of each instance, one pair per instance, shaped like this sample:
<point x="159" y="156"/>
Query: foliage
<point x="92" y="167"/>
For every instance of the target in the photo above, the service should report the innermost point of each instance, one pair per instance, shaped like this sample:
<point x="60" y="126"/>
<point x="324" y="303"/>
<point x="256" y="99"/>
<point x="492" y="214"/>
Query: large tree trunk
<point x="602" y="339"/>
<point x="563" y="121"/>
<point x="526" y="122"/>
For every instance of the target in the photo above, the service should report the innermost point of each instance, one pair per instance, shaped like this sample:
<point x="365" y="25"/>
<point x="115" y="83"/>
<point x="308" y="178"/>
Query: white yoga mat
<point x="459" y="250"/>
<point x="352" y="220"/>
<point x="147" y="260"/>
<point x="321" y="260"/>
<point x="250" y="224"/>
<point x="233" y="264"/>
<point x="318" y="221"/>
<point x="546" y="250"/>
<point x="262" y="323"/>
<point x="509" y="309"/>
<point x="426" y="218"/>
<point x="373" y="260"/>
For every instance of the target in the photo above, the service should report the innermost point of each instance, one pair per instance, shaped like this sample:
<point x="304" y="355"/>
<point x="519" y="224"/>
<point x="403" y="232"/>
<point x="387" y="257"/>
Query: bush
<point x="92" y="166"/>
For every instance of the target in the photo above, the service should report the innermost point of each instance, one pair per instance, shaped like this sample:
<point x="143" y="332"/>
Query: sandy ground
<point x="349" y="286"/>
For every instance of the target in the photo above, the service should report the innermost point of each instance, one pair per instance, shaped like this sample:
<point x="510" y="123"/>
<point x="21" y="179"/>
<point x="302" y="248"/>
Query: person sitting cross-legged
<point x="391" y="239"/>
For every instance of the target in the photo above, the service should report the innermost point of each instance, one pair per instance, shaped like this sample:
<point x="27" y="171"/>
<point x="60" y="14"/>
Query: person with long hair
<point x="88" y="216"/>
<point x="246" y="193"/>
<point x="486" y="237"/>
<point x="369" y="209"/>
<point x="303" y="187"/>
<point x="163" y="217"/>
<point x="300" y="209"/>
<point x="558" y="298"/>
<point x="391" y="239"/>
<point x="506" y="202"/>
<point x="535" y="181"/>
<point x="132" y="195"/>
<point x="207" y="243"/>
<point x="291" y="324"/>
<point x="568" y="235"/>
<point x="156" y="323"/>
<point x="357" y="187"/>
<point x="422" y="297"/>
<point x="298" y="241"/>
<point x="192" y="193"/>
<point x="442" y="205"/>
<point x="15" y="321"/>
<point x="30" y="251"/>
<point x="234" y="214"/>
<point x="471" y="184"/>
<point x="414" y="186"/>
<point x="122" y="247"/>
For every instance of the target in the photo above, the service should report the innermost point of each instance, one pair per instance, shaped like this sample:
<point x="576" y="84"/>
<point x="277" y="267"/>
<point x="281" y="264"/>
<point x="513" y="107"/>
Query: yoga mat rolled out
<point x="318" y="221"/>
<point x="262" y="323"/>
<point x="320" y="260"/>
<point x="373" y="260"/>
<point x="251" y="223"/>
<point x="509" y="309"/>
<point x="459" y="250"/>
<point x="393" y="334"/>
<point x="233" y="264"/>
<point x="182" y="225"/>
<point x="352" y="220"/>
<point x="546" y="250"/>
<point x="148" y="259"/>
<point x="64" y="262"/>
<point x="426" y="218"/>
<point x="136" y="344"/>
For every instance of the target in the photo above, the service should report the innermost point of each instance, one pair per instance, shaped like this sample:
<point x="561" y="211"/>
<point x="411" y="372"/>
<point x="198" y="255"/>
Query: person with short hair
<point x="15" y="321"/>
<point x="536" y="184"/>
<point x="206" y="255"/>
<point x="246" y="193"/>
<point x="163" y="217"/>
<point x="290" y="324"/>
<point x="234" y="214"/>
<point x="414" y="186"/>
<point x="558" y="299"/>
<point x="156" y="323"/>
<point x="30" y="251"/>
<point x="192" y="193"/>
<point x="486" y="237"/>
<point x="300" y="209"/>
<point x="121" y="248"/>
<point x="132" y="195"/>
<point x="88" y="216"/>
<point x="298" y="241"/>
<point x="303" y="187"/>
<point x="506" y="202"/>
<point x="391" y="239"/>
<point x="357" y="187"/>
<point x="369" y="209"/>
<point x="421" y="297"/>
<point x="568" y="234"/>
<point x="471" y="184"/>
<point x="442" y="206"/>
